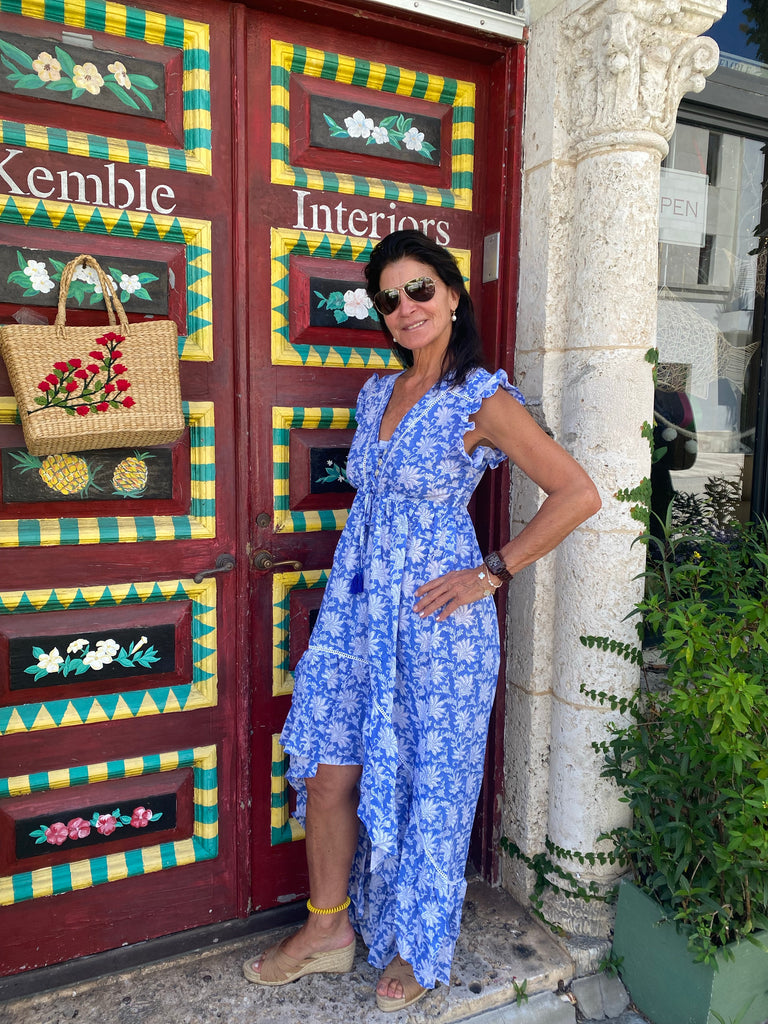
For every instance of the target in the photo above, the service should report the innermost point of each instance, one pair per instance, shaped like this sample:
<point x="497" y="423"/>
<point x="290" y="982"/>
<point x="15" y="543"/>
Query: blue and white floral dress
<point x="407" y="698"/>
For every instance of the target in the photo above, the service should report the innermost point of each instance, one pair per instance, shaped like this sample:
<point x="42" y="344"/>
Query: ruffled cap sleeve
<point x="480" y="385"/>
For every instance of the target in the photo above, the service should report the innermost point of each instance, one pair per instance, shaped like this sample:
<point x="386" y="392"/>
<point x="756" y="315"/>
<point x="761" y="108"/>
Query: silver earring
<point x="453" y="315"/>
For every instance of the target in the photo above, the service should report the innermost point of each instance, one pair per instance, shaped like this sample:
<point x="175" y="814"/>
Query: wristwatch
<point x="495" y="563"/>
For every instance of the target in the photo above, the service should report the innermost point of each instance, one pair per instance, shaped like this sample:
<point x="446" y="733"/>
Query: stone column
<point x="604" y="82"/>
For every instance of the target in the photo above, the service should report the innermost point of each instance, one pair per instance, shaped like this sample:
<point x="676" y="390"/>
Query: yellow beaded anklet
<point x="328" y="910"/>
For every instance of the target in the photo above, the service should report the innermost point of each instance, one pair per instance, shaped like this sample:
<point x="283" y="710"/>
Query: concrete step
<point x="500" y="947"/>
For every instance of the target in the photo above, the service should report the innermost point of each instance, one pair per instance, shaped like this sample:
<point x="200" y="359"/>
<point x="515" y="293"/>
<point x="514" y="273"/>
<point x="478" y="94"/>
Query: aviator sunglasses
<point x="420" y="289"/>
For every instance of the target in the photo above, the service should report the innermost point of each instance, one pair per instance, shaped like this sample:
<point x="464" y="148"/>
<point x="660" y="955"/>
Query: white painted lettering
<point x="301" y="195"/>
<point x="375" y="218"/>
<point x="328" y="219"/>
<point x="96" y="189"/>
<point x="129" y="191"/>
<point x="142" y="173"/>
<point x="64" y="177"/>
<point x="340" y="211"/>
<point x="358" y="215"/>
<point x="11" y="183"/>
<point x="311" y="216"/>
<point x="46" y="175"/>
<point x="168" y="193"/>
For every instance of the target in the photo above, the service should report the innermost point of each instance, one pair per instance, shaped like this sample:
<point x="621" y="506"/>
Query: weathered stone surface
<point x="604" y="79"/>
<point x="499" y="942"/>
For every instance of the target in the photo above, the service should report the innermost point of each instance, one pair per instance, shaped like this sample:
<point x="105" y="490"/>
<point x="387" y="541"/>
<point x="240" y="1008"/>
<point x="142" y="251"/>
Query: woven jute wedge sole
<point x="277" y="968"/>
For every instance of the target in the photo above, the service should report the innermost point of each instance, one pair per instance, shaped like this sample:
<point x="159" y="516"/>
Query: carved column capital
<point x="630" y="62"/>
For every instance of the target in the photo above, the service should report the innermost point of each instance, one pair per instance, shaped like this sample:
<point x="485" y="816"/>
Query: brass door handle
<point x="265" y="561"/>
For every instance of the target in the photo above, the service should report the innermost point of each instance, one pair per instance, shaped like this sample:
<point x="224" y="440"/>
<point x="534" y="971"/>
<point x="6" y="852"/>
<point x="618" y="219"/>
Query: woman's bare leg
<point x="332" y="828"/>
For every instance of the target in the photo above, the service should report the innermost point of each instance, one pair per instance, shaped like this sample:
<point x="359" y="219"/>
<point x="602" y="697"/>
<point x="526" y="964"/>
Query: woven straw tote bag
<point x="94" y="387"/>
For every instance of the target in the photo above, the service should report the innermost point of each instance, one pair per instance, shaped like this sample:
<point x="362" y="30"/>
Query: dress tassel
<point x="357" y="586"/>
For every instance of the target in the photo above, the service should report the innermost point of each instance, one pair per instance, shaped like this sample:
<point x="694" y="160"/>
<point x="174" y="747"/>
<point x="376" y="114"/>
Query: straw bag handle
<point x="111" y="300"/>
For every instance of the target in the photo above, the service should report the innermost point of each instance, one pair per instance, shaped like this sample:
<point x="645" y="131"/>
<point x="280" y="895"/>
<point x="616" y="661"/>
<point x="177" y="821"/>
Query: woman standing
<point x="388" y="725"/>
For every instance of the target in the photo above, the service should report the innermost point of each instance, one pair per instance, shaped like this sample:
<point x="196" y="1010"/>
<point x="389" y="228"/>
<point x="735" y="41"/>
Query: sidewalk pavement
<point x="507" y="970"/>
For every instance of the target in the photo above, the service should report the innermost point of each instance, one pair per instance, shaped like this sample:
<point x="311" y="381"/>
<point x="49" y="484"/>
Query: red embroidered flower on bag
<point x="95" y="388"/>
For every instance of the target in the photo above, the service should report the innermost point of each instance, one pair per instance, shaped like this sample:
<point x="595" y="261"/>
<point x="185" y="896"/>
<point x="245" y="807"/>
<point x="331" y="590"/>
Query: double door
<point x="231" y="169"/>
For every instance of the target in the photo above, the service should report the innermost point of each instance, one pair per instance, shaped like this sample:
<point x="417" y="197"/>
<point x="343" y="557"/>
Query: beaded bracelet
<point x="328" y="910"/>
<point x="487" y="583"/>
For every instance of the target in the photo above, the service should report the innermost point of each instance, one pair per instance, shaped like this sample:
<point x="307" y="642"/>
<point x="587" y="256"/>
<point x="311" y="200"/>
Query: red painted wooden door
<point x="350" y="132"/>
<point x="231" y="170"/>
<point x="118" y="659"/>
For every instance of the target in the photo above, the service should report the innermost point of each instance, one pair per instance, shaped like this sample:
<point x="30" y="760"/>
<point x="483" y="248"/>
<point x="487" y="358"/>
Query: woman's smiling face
<point x="419" y="326"/>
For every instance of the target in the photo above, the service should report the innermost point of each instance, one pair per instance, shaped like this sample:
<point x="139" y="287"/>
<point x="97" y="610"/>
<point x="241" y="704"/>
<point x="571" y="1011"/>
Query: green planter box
<point x="664" y="982"/>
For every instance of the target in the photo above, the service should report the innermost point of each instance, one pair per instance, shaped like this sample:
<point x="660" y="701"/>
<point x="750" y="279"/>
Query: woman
<point x="388" y="725"/>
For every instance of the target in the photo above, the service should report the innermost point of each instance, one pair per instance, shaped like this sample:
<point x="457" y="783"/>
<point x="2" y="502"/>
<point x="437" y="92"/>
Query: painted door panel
<point x="117" y="668"/>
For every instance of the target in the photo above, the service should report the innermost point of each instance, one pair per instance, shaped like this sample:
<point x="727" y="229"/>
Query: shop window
<point x="713" y="235"/>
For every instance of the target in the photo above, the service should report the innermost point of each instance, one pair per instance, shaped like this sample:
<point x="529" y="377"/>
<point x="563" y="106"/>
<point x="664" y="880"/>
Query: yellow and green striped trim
<point x="82" y="874"/>
<point x="201" y="692"/>
<point x="285" y="828"/>
<point x="282" y="585"/>
<point x="191" y="37"/>
<point x="199" y="524"/>
<point x="287" y="242"/>
<point x="290" y="59"/>
<point x="194" y="235"/>
<point x="283" y="419"/>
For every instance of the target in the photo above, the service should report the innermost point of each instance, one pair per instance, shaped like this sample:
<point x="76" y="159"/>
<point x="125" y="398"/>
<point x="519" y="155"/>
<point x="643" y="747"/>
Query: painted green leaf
<point x="340" y="316"/>
<point x="386" y="122"/>
<point x="143" y="81"/>
<point x="121" y="93"/>
<point x="156" y="816"/>
<point x="143" y="98"/>
<point x="37" y="651"/>
<point x="62" y="85"/>
<point x="18" y="55"/>
<point x="12" y="67"/>
<point x="29" y="82"/>
<point x="67" y="64"/>
<point x="145" y="277"/>
<point x="77" y="92"/>
<point x="140" y="293"/>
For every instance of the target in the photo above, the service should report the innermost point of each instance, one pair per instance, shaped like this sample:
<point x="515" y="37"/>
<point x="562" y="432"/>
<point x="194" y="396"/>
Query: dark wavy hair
<point x="465" y="351"/>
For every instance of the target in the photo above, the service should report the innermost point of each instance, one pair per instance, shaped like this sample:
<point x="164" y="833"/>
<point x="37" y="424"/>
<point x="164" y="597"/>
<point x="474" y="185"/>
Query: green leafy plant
<point x="689" y="750"/>
<point x="521" y="995"/>
<point x="610" y="964"/>
<point x="691" y="754"/>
